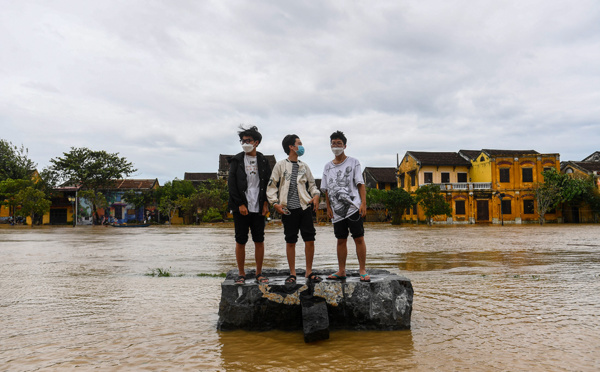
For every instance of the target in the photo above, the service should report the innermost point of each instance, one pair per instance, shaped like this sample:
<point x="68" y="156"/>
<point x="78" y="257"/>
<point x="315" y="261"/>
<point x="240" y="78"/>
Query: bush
<point x="211" y="215"/>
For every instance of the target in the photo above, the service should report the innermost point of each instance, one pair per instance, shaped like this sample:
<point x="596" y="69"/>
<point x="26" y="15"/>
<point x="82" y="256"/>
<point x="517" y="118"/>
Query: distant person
<point x="249" y="173"/>
<point x="345" y="192"/>
<point x="291" y="191"/>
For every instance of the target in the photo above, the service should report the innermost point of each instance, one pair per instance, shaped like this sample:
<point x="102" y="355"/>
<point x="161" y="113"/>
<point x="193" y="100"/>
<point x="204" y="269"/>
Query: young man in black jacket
<point x="249" y="173"/>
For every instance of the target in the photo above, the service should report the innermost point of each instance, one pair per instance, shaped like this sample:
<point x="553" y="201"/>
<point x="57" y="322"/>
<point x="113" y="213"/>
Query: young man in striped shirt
<point x="292" y="192"/>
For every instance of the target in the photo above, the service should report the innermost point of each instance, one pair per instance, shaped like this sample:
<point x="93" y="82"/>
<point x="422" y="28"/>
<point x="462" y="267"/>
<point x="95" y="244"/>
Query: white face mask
<point x="247" y="147"/>
<point x="337" y="150"/>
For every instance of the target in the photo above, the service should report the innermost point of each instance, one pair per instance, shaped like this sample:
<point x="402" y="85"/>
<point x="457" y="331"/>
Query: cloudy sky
<point x="167" y="83"/>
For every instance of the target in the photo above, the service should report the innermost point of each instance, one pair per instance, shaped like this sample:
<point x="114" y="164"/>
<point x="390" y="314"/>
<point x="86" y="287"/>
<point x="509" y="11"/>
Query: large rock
<point x="383" y="304"/>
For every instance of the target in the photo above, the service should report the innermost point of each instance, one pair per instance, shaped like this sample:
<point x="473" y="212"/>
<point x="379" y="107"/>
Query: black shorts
<point x="298" y="220"/>
<point x="253" y="221"/>
<point x="353" y="223"/>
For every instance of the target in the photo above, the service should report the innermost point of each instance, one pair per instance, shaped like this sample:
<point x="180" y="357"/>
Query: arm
<point x="362" y="190"/>
<point x="329" y="210"/>
<point x="233" y="189"/>
<point x="273" y="188"/>
<point x="313" y="189"/>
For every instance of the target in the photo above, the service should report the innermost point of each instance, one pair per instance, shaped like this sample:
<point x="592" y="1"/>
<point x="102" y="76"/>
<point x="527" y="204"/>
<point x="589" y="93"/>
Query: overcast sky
<point x="167" y="83"/>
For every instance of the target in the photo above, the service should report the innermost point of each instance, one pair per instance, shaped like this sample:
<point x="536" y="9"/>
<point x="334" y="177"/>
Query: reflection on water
<point x="486" y="298"/>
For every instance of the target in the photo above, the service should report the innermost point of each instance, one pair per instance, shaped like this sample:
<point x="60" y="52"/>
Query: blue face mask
<point x="300" y="150"/>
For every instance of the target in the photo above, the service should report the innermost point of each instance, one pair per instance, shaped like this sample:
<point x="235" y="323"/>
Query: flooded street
<point x="487" y="298"/>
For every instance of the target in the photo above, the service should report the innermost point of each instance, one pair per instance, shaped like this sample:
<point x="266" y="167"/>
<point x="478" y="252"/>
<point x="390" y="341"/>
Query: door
<point x="58" y="216"/>
<point x="483" y="210"/>
<point x="575" y="215"/>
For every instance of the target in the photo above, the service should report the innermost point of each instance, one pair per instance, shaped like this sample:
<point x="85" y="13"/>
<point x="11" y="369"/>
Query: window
<point x="415" y="209"/>
<point x="462" y="177"/>
<point x="413" y="177"/>
<point x="506" y="207"/>
<point x="528" y="207"/>
<point x="381" y="185"/>
<point x="459" y="207"/>
<point x="428" y="177"/>
<point x="402" y="180"/>
<point x="527" y="174"/>
<point x="505" y="175"/>
<point x="445" y="177"/>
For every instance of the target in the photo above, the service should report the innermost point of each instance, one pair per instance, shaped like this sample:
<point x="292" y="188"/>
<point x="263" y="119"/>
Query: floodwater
<point x="487" y="298"/>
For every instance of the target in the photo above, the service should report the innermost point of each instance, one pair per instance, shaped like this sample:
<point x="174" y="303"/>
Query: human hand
<point x="243" y="210"/>
<point x="330" y="213"/>
<point x="315" y="201"/>
<point x="363" y="210"/>
<point x="265" y="209"/>
<point x="279" y="208"/>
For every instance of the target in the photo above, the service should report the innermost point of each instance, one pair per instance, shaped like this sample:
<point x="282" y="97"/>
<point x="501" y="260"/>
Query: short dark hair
<point x="338" y="134"/>
<point x="250" y="132"/>
<point x="289" y="140"/>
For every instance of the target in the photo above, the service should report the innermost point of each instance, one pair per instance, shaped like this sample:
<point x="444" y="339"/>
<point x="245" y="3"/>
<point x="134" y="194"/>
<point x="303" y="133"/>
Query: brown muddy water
<point x="487" y="298"/>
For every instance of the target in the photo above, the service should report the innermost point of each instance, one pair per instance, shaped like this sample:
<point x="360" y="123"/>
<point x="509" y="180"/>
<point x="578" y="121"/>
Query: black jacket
<point x="237" y="182"/>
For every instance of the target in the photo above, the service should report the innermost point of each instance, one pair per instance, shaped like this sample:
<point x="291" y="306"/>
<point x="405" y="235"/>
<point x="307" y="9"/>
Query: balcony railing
<point x="462" y="186"/>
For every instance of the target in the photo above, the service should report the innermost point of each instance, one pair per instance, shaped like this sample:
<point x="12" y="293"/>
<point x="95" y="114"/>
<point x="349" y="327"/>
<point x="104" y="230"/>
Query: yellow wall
<point x="4" y="211"/>
<point x="481" y="170"/>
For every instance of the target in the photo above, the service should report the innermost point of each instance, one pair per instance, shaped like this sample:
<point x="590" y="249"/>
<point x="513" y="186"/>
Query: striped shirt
<point x="293" y="200"/>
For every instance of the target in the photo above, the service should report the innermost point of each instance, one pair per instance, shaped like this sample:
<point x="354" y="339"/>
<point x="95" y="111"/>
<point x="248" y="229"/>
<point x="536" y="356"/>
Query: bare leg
<point x="342" y="254"/>
<point x="240" y="257"/>
<point x="259" y="254"/>
<point x="309" y="252"/>
<point x="290" y="250"/>
<point x="361" y="253"/>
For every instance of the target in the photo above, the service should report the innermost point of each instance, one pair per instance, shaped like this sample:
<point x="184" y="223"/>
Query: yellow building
<point x="513" y="175"/>
<point x="486" y="186"/>
<point x="449" y="170"/>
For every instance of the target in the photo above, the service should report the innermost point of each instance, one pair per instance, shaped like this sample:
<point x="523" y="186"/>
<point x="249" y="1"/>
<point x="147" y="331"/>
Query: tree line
<point x="94" y="173"/>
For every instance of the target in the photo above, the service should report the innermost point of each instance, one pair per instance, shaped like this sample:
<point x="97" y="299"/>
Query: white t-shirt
<point x="340" y="182"/>
<point x="253" y="183"/>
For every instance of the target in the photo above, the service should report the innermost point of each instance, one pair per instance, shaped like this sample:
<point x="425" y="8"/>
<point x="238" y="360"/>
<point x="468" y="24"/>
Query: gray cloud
<point x="167" y="83"/>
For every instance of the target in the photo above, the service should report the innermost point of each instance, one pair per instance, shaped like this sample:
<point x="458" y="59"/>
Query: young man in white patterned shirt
<point x="345" y="192"/>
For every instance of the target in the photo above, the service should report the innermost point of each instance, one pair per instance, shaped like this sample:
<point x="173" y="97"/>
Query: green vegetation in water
<point x="159" y="272"/>
<point x="221" y="275"/>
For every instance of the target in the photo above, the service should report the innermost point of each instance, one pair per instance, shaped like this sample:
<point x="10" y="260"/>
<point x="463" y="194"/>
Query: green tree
<point x="14" y="162"/>
<point x="432" y="202"/>
<point x="175" y="195"/>
<point x="398" y="201"/>
<point x="210" y="199"/>
<point x="9" y="189"/>
<point x="376" y="201"/>
<point x="32" y="202"/>
<point x="91" y="170"/>
<point x="547" y="196"/>
<point x="564" y="188"/>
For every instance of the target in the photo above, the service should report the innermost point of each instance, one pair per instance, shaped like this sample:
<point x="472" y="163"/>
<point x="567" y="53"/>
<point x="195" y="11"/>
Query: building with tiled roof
<point x="197" y="178"/>
<point x="136" y="184"/>
<point x="224" y="160"/>
<point x="489" y="185"/>
<point x="382" y="178"/>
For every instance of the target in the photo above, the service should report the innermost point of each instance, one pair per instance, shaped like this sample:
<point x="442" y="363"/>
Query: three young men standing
<point x="292" y="191"/>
